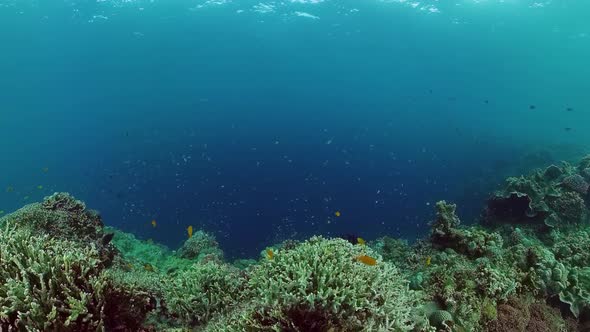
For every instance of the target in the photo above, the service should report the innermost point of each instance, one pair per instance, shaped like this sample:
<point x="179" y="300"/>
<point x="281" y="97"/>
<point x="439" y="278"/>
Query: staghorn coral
<point x="197" y="294"/>
<point x="318" y="286"/>
<point x="62" y="216"/>
<point x="49" y="284"/>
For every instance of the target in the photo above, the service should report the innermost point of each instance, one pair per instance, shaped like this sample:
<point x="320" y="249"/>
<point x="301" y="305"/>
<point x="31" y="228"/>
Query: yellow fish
<point x="337" y="213"/>
<point x="154" y="224"/>
<point x="360" y="241"/>
<point x="189" y="230"/>
<point x="148" y="267"/>
<point x="40" y="187"/>
<point x="270" y="254"/>
<point x="428" y="259"/>
<point x="367" y="260"/>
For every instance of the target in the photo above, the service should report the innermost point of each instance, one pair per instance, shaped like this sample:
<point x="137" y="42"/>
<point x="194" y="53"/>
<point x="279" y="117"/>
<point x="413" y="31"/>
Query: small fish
<point x="148" y="267"/>
<point x="270" y="254"/>
<point x="360" y="240"/>
<point x="9" y="189"/>
<point x="569" y="109"/>
<point x="532" y="107"/>
<point x="567" y="129"/>
<point x="337" y="213"/>
<point x="26" y="198"/>
<point x="45" y="169"/>
<point x="40" y="187"/>
<point x="154" y="223"/>
<point x="428" y="259"/>
<point x="367" y="260"/>
<point x="106" y="239"/>
<point x="189" y="231"/>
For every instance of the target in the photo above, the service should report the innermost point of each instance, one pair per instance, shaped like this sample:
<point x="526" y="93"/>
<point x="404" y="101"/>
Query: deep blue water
<point x="258" y="121"/>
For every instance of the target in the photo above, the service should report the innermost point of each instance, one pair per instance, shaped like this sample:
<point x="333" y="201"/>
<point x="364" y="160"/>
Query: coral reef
<point x="473" y="242"/>
<point x="203" y="290"/>
<point x="319" y="285"/>
<point x="48" y="284"/>
<point x="61" y="216"/>
<point x="554" y="197"/>
<point x="199" y="245"/>
<point x="524" y="267"/>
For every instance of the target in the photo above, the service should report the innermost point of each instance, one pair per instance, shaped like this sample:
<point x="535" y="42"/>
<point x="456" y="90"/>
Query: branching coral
<point x="320" y="285"/>
<point x="61" y="216"/>
<point x="195" y="295"/>
<point x="49" y="284"/>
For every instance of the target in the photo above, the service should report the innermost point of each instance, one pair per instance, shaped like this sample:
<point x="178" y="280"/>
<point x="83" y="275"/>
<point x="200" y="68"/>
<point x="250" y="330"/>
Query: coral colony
<point x="522" y="267"/>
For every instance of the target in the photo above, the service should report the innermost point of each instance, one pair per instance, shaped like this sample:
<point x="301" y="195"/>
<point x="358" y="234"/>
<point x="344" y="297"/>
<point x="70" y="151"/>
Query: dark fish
<point x="486" y="101"/>
<point x="568" y="129"/>
<point x="532" y="107"/>
<point x="569" y="109"/>
<point x="106" y="239"/>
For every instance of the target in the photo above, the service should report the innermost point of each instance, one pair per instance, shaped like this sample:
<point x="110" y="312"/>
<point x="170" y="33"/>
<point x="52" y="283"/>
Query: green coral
<point x="62" y="216"/>
<point x="474" y="242"/>
<point x="320" y="282"/>
<point x="199" y="246"/>
<point x="48" y="284"/>
<point x="202" y="291"/>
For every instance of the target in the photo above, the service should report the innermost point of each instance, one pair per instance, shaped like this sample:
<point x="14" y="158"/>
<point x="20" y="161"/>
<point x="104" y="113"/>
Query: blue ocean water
<point x="258" y="121"/>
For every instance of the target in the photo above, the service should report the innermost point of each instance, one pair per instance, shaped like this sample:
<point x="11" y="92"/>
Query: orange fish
<point x="367" y="260"/>
<point x="270" y="254"/>
<point x="189" y="230"/>
<point x="154" y="224"/>
<point x="337" y="213"/>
